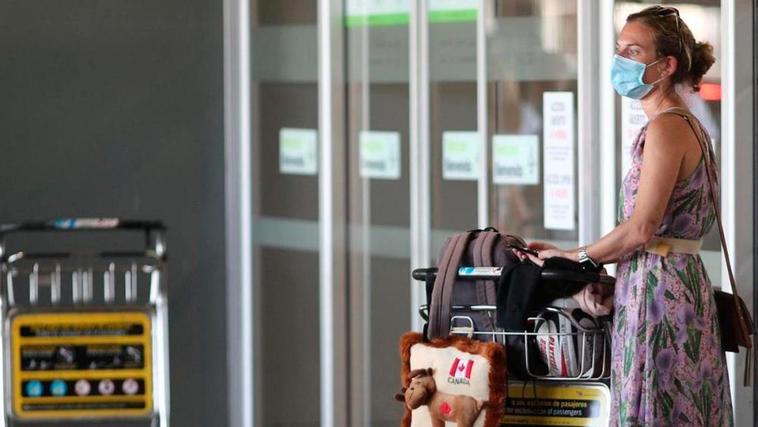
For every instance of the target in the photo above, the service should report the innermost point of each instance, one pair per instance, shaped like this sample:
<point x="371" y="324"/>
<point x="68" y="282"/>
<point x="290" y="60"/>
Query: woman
<point x="668" y="367"/>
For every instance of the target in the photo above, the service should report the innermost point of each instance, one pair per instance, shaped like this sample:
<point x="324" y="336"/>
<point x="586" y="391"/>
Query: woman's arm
<point x="666" y="143"/>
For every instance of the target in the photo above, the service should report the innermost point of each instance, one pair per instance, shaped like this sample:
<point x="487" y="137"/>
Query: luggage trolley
<point x="84" y="333"/>
<point x="577" y="397"/>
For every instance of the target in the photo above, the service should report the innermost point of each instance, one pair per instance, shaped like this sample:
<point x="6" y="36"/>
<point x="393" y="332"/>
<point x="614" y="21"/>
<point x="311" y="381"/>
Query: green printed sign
<point x="380" y="154"/>
<point x="380" y="20"/>
<point x="298" y="151"/>
<point x="460" y="155"/>
<point x="515" y="159"/>
<point x="453" y="10"/>
<point x="359" y="13"/>
<point x="373" y="13"/>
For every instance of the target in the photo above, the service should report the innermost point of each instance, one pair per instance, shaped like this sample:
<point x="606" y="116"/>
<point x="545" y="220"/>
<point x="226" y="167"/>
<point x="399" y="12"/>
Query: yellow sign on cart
<point x="557" y="404"/>
<point x="84" y="364"/>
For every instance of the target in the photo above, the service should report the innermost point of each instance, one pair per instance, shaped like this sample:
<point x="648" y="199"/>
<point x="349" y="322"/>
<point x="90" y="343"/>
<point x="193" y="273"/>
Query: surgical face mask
<point x="626" y="76"/>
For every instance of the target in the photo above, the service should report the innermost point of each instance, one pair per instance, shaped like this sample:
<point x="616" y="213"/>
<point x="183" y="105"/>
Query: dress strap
<point x="690" y="118"/>
<point x="680" y="110"/>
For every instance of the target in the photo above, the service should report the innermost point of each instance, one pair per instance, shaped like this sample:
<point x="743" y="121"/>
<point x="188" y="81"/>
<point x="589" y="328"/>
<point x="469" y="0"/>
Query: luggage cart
<point x="84" y="333"/>
<point x="579" y="398"/>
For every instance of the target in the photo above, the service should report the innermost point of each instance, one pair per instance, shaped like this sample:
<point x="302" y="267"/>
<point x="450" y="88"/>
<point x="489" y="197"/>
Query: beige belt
<point x="664" y="245"/>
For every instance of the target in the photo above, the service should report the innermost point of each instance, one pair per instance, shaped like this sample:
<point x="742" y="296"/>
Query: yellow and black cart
<point x="84" y="331"/>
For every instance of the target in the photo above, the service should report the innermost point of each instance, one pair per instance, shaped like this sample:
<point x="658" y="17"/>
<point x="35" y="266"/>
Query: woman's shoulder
<point x="671" y="132"/>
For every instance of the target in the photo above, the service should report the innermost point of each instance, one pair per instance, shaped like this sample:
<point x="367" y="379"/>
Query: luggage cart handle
<point x="493" y="273"/>
<point x="154" y="231"/>
<point x="75" y="224"/>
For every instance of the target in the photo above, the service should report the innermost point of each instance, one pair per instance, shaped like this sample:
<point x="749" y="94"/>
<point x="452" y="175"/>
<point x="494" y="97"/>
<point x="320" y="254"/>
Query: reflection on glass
<point x="531" y="56"/>
<point x="284" y="122"/>
<point x="376" y="40"/>
<point x="453" y="124"/>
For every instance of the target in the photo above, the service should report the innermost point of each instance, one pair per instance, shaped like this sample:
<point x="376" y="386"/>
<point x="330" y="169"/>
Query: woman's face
<point x="636" y="42"/>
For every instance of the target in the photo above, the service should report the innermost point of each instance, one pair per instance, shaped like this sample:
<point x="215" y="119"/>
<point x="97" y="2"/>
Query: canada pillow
<point x="456" y="380"/>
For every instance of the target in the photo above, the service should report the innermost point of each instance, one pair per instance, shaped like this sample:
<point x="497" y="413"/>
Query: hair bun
<point x="702" y="60"/>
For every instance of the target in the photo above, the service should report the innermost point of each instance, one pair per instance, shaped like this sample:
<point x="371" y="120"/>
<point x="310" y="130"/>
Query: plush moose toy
<point x="422" y="390"/>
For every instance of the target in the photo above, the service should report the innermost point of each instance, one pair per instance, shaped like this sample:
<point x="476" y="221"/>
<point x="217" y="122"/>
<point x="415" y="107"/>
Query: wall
<point x="115" y="108"/>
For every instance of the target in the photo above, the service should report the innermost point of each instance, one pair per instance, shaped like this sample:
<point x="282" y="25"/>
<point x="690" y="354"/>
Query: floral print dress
<point x="667" y="367"/>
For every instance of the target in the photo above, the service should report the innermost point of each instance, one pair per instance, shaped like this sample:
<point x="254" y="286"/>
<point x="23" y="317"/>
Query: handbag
<point x="735" y="321"/>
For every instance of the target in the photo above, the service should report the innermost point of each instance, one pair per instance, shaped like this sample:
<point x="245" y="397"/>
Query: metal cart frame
<point x="593" y="378"/>
<point x="460" y="324"/>
<point x="46" y="270"/>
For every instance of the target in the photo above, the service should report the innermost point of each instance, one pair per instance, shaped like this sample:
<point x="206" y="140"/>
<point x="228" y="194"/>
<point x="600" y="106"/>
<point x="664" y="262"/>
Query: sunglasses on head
<point x="665" y="12"/>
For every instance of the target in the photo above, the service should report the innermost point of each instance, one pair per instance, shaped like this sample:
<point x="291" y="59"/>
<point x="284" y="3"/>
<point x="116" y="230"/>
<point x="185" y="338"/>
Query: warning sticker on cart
<point x="72" y="365"/>
<point x="554" y="404"/>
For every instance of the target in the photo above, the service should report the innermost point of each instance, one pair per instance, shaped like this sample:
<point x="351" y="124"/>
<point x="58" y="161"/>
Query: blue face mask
<point x="626" y="76"/>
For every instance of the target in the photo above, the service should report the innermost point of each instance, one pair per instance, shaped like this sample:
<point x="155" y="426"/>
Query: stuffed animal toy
<point x="422" y="390"/>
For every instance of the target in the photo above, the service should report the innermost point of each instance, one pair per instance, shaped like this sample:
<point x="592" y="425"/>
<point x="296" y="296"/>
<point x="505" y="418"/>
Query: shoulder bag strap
<point x="709" y="171"/>
<point x="442" y="294"/>
<point x="701" y="139"/>
<point x="485" y="289"/>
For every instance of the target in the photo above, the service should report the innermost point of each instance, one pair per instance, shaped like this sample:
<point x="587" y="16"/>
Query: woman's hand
<point x="538" y="247"/>
<point x="544" y="251"/>
<point x="541" y="246"/>
<point x="550" y="253"/>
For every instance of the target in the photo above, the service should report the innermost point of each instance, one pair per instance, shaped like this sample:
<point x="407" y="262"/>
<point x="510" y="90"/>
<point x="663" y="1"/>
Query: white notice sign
<point x="515" y="159"/>
<point x="298" y="151"/>
<point x="460" y="155"/>
<point x="632" y="120"/>
<point x="558" y="152"/>
<point x="380" y="154"/>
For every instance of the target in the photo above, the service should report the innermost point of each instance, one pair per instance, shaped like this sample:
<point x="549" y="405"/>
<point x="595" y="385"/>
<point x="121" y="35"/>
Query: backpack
<point x="475" y="248"/>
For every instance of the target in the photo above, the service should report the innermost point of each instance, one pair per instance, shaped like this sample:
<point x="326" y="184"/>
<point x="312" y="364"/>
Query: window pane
<point x="453" y="122"/>
<point x="532" y="82"/>
<point x="284" y="97"/>
<point x="377" y="124"/>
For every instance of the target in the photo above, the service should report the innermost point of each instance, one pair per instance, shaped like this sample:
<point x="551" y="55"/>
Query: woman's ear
<point x="670" y="66"/>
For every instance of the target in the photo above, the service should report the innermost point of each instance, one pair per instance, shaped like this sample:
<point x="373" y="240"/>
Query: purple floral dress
<point x="668" y="368"/>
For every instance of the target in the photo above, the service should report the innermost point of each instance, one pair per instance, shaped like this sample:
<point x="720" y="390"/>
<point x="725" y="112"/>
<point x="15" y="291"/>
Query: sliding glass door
<point x="285" y="175"/>
<point x="377" y="147"/>
<point x="454" y="114"/>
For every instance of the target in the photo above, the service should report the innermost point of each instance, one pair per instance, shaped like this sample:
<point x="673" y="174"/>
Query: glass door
<point x="377" y="188"/>
<point x="457" y="114"/>
<point x="454" y="142"/>
<point x="284" y="98"/>
<point x="531" y="89"/>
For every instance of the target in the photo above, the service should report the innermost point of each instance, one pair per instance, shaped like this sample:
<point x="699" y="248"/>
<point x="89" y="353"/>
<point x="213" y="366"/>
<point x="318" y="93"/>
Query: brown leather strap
<point x="442" y="294"/>
<point x="704" y="147"/>
<point x="485" y="289"/>
<point x="478" y="246"/>
<point x="490" y="289"/>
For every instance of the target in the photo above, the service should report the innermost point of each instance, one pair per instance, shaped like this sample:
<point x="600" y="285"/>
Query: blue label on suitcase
<point x="479" y="271"/>
<point x="465" y="271"/>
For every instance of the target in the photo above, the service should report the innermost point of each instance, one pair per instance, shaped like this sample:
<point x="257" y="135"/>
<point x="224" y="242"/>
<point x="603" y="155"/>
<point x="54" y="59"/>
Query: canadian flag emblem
<point x="461" y="368"/>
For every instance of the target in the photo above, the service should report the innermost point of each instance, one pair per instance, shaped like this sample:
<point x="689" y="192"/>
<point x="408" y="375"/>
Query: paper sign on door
<point x="515" y="159"/>
<point x="380" y="154"/>
<point x="298" y="151"/>
<point x="632" y="120"/>
<point x="558" y="136"/>
<point x="460" y="155"/>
